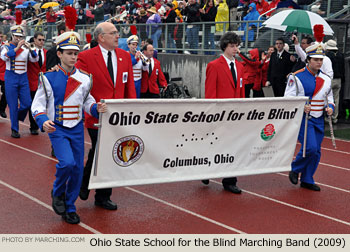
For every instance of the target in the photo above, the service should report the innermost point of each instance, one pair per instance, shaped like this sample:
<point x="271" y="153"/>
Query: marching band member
<point x="16" y="56"/>
<point x="313" y="83"/>
<point x="58" y="108"/>
<point x="138" y="62"/>
<point x="3" y="102"/>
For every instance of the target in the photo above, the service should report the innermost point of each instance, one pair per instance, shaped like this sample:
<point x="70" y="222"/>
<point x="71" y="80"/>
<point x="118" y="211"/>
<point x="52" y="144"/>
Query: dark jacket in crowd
<point x="192" y="13"/>
<point x="338" y="64"/>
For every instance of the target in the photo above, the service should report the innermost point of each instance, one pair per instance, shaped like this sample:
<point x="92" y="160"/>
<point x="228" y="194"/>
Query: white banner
<point x="157" y="141"/>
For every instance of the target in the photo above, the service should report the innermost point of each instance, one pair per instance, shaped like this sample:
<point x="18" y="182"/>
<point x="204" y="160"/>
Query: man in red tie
<point x="34" y="68"/>
<point x="224" y="79"/>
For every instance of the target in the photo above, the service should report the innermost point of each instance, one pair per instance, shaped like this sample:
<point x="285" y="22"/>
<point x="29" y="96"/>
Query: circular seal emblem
<point x="268" y="132"/>
<point x="127" y="150"/>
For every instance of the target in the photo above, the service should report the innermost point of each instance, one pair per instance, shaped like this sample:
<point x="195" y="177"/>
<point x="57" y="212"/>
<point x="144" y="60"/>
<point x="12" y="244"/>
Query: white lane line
<point x="24" y="124"/>
<point x="325" y="185"/>
<point x="340" y="140"/>
<point x="334" y="166"/>
<point x="293" y="206"/>
<point x="134" y="190"/>
<point x="185" y="210"/>
<point x="92" y="230"/>
<point x="31" y="151"/>
<point x="334" y="150"/>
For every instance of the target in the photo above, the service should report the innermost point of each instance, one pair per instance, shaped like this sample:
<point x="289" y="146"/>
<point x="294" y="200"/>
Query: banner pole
<point x="330" y="125"/>
<point x="98" y="125"/>
<point x="305" y="130"/>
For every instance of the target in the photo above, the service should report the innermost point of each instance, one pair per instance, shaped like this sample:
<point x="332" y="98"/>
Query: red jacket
<point x="272" y="5"/>
<point x="50" y="18"/>
<point x="2" y="70"/>
<point x="252" y="69"/>
<point x="262" y="7"/>
<point x="92" y="62"/>
<point x="2" y="66"/>
<point x="150" y="82"/>
<point x="33" y="72"/>
<point x="219" y="81"/>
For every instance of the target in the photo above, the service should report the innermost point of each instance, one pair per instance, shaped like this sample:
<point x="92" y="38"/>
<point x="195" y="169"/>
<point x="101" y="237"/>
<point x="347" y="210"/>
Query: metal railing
<point x="206" y="40"/>
<point x="339" y="13"/>
<point x="264" y="14"/>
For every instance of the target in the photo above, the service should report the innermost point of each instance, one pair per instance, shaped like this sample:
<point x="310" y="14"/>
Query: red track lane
<point x="37" y="181"/>
<point x="19" y="215"/>
<point x="137" y="213"/>
<point x="245" y="212"/>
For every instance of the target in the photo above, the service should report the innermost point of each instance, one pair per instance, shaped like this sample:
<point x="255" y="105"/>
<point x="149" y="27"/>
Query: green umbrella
<point x="297" y="20"/>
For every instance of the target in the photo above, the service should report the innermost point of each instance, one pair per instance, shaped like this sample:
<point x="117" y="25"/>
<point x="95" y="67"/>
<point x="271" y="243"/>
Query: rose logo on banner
<point x="268" y="132"/>
<point x="127" y="150"/>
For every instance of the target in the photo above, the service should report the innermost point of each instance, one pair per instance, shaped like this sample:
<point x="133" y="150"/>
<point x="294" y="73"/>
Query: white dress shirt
<point x="229" y="62"/>
<point x="114" y="61"/>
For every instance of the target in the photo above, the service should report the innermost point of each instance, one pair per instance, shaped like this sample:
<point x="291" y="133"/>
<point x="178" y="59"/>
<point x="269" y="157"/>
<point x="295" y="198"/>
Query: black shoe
<point x="58" y="204"/>
<point x="84" y="193"/>
<point x="293" y="177"/>
<point x="71" y="218"/>
<point x="312" y="187"/>
<point x="106" y="204"/>
<point x="15" y="134"/>
<point x="205" y="181"/>
<point x="232" y="188"/>
<point x="34" y="132"/>
<point x="3" y="114"/>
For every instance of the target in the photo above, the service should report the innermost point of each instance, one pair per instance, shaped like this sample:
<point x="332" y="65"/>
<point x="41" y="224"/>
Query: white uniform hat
<point x="17" y="30"/>
<point x="132" y="39"/>
<point x="316" y="50"/>
<point x="68" y="40"/>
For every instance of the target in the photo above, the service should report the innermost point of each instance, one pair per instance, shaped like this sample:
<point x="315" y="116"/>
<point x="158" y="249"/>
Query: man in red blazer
<point x="34" y="68"/>
<point x="152" y="76"/>
<point x="113" y="78"/>
<point x="224" y="79"/>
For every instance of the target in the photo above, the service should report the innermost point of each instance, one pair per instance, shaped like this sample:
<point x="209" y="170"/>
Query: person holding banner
<point x="58" y="109"/>
<point x="224" y="79"/>
<point x="312" y="82"/>
<point x="113" y="78"/>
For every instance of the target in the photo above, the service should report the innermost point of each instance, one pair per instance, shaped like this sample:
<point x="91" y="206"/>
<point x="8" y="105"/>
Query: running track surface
<point x="269" y="204"/>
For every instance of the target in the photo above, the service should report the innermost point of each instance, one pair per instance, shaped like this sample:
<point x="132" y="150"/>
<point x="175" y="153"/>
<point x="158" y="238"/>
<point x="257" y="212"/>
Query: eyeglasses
<point x="114" y="33"/>
<point x="41" y="39"/>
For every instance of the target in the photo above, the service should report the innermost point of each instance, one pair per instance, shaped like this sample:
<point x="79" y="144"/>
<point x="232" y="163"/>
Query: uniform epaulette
<point x="84" y="72"/>
<point x="299" y="71"/>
